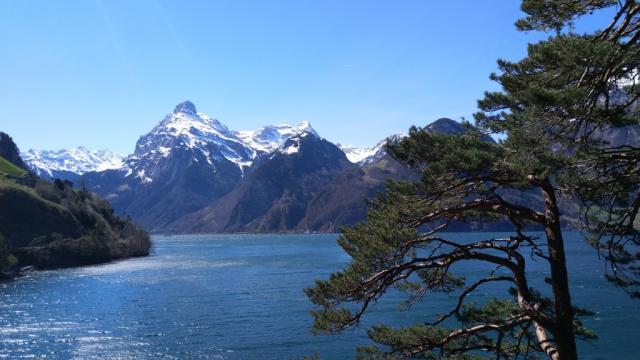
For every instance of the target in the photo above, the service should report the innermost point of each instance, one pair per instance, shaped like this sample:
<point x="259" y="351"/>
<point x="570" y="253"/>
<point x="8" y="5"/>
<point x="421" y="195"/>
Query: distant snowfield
<point x="79" y="160"/>
<point x="357" y="155"/>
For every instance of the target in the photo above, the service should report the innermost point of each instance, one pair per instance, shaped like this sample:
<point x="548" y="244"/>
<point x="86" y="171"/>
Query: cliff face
<point x="50" y="225"/>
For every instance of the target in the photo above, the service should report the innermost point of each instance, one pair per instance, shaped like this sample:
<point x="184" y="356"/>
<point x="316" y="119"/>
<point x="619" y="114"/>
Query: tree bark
<point x="564" y="335"/>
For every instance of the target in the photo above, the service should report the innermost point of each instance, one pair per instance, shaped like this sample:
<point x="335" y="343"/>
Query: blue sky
<point x="102" y="73"/>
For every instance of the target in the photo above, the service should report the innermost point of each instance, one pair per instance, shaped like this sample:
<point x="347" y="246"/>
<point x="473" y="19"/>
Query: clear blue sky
<point x="101" y="73"/>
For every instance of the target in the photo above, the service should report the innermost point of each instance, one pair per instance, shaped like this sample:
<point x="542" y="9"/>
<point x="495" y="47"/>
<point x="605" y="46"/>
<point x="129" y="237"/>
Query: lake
<point x="240" y="297"/>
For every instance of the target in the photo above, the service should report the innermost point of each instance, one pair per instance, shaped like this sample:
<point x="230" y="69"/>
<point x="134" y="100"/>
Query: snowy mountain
<point x="370" y="155"/>
<point x="357" y="155"/>
<point x="70" y="163"/>
<point x="186" y="161"/>
<point x="186" y="130"/>
<point x="367" y="156"/>
<point x="207" y="139"/>
<point x="270" y="138"/>
<point x="191" y="173"/>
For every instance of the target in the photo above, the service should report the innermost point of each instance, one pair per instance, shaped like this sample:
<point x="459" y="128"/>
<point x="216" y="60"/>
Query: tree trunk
<point x="564" y="335"/>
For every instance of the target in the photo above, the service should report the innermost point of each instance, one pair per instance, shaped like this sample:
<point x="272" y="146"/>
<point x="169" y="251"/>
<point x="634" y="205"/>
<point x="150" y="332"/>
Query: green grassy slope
<point x="8" y="168"/>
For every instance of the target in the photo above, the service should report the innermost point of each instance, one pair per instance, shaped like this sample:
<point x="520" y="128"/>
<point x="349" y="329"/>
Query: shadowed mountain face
<point x="627" y="135"/>
<point x="278" y="192"/>
<point x="182" y="182"/>
<point x="51" y="225"/>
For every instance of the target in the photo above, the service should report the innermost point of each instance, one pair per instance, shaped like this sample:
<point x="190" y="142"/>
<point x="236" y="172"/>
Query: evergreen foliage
<point x="52" y="225"/>
<point x="553" y="109"/>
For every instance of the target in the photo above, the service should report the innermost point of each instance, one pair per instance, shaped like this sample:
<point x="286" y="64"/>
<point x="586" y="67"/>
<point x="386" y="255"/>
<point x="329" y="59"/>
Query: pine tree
<point x="554" y="107"/>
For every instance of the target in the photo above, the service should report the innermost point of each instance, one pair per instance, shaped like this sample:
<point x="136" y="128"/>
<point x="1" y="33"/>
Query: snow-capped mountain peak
<point x="305" y="127"/>
<point x="186" y="107"/>
<point x="270" y="138"/>
<point x="207" y="139"/>
<point x="358" y="155"/>
<point x="291" y="146"/>
<point x="80" y="160"/>
<point x="368" y="155"/>
<point x="190" y="126"/>
<point x="186" y="129"/>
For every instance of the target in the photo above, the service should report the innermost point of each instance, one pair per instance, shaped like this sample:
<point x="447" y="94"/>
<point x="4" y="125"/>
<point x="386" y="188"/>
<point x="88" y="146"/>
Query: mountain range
<point x="191" y="173"/>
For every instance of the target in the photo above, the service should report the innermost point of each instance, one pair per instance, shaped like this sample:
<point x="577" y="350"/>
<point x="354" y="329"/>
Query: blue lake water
<point x="240" y="297"/>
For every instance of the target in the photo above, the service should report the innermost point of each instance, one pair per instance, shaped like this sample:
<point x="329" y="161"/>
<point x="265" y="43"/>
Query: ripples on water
<point x="238" y="297"/>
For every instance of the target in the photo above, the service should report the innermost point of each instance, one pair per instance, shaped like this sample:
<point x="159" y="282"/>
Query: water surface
<point x="240" y="297"/>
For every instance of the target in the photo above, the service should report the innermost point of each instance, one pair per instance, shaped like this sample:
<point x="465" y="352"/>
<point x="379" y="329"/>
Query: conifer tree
<point x="553" y="111"/>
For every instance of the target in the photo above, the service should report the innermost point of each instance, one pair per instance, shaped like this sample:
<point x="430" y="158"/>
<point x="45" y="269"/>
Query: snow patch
<point x="356" y="155"/>
<point x="291" y="149"/>
<point x="143" y="178"/>
<point x="270" y="138"/>
<point x="165" y="151"/>
<point x="367" y="155"/>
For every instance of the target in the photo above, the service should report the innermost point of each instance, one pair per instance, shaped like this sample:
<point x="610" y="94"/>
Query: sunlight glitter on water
<point x="151" y="264"/>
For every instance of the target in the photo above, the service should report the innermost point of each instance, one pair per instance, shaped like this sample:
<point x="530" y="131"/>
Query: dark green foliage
<point x="6" y="258"/>
<point x="399" y="246"/>
<point x="9" y="151"/>
<point x="557" y="14"/>
<point x="561" y="101"/>
<point x="53" y="225"/>
<point x="554" y="110"/>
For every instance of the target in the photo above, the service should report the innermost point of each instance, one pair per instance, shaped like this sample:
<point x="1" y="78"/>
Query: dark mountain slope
<point x="183" y="182"/>
<point x="343" y="202"/>
<point x="275" y="193"/>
